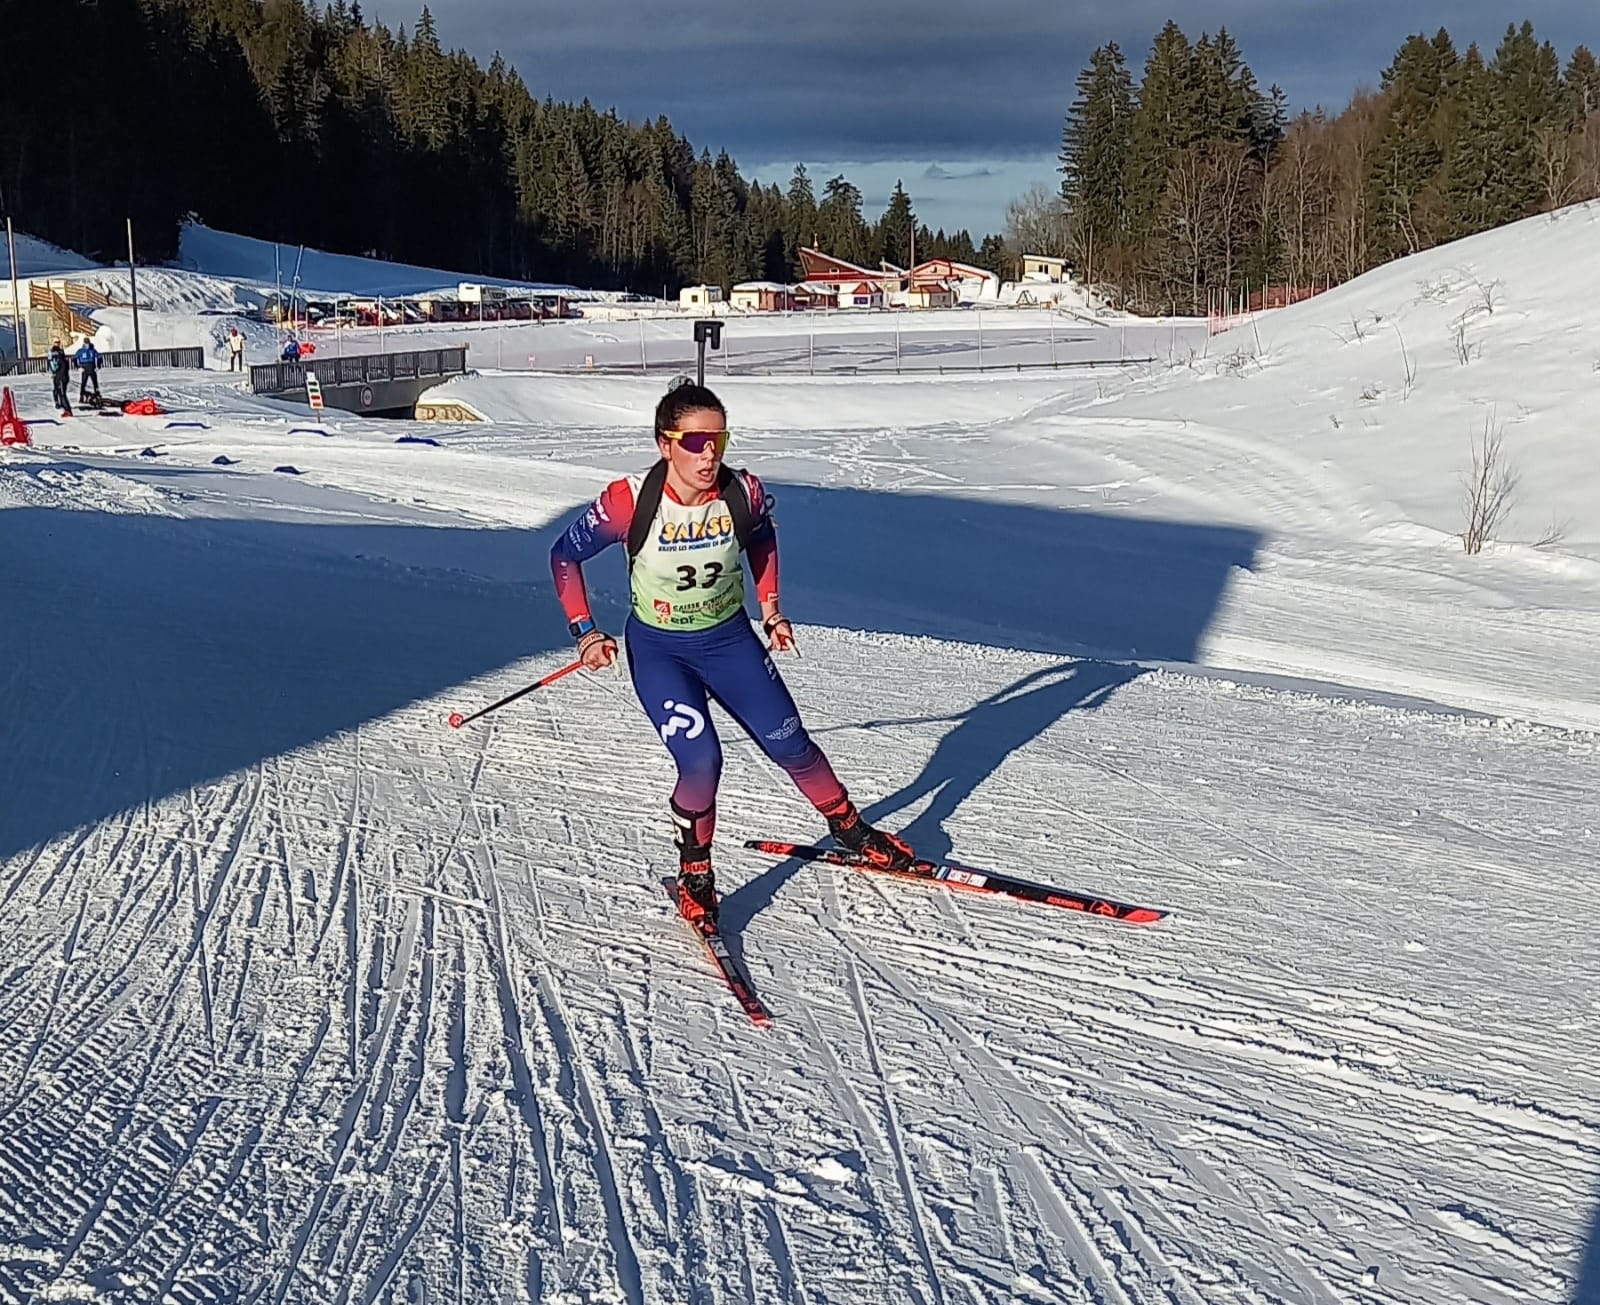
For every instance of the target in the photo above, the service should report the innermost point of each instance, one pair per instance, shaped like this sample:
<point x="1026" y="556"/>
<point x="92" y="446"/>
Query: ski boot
<point x="697" y="885"/>
<point x="883" y="850"/>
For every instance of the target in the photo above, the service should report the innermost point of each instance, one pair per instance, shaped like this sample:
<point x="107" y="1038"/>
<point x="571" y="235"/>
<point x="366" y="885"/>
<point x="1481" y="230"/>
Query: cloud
<point x="935" y="172"/>
<point x="972" y="198"/>
<point x="921" y="79"/>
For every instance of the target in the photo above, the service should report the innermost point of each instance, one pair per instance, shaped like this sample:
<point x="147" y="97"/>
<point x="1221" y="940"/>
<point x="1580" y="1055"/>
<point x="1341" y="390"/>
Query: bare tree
<point x="1208" y="212"/>
<point x="1232" y="176"/>
<point x="1357" y="133"/>
<point x="1488" y="490"/>
<point x="1586" y="163"/>
<point x="1036" y="222"/>
<point x="1190" y="218"/>
<point x="1555" y="149"/>
<point x="1298" y="188"/>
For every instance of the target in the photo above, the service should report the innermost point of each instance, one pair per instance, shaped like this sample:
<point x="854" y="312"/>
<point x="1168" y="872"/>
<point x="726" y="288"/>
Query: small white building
<point x="864" y="294"/>
<point x="931" y="294"/>
<point x="1044" y="267"/>
<point x="699" y="296"/>
<point x="762" y="297"/>
<point x="471" y="292"/>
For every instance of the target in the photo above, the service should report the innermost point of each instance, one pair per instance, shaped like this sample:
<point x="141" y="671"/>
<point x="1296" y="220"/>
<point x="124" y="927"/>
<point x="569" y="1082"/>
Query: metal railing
<point x="357" y="369"/>
<point x="181" y="358"/>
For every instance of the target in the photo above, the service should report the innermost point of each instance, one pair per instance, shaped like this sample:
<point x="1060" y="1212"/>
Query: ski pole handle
<point x="457" y="720"/>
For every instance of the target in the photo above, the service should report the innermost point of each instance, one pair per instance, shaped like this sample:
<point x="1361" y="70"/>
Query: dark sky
<point x="925" y="81"/>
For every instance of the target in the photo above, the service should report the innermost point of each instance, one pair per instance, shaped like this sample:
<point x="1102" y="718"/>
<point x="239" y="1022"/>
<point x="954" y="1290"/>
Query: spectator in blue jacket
<point x="291" y="350"/>
<point x="88" y="360"/>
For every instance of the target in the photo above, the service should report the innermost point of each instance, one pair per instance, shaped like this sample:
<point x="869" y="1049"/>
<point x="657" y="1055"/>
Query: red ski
<point x="968" y="880"/>
<point x="732" y="972"/>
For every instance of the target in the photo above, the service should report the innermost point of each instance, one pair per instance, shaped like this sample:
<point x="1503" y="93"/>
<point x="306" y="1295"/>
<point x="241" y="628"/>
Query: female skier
<point x="689" y="640"/>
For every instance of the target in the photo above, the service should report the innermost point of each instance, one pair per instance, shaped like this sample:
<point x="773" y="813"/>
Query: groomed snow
<point x="310" y="998"/>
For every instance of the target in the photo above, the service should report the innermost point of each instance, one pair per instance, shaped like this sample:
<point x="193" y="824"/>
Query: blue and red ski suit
<point x="678" y="672"/>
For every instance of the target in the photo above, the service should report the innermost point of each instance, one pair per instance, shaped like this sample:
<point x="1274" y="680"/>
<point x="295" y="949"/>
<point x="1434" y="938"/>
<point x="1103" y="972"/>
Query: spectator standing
<point x="88" y="360"/>
<point x="59" y="365"/>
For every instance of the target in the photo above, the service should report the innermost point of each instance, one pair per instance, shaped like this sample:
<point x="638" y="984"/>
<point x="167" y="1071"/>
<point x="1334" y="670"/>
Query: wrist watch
<point x="582" y="626"/>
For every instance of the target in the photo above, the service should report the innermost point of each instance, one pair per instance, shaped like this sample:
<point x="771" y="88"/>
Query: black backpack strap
<point x="645" y="506"/>
<point x="736" y="494"/>
<point x="731" y="487"/>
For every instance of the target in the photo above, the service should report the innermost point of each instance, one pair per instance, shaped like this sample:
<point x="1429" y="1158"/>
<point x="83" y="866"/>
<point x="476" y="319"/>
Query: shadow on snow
<point x="1588" y="1289"/>
<point x="142" y="654"/>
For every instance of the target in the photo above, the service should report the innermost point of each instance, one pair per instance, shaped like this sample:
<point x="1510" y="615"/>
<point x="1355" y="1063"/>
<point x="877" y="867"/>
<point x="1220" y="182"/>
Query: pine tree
<point x="1408" y="168"/>
<point x="1269" y="122"/>
<point x="424" y="97"/>
<point x="1536" y="117"/>
<point x="1095" y="150"/>
<point x="843" y="231"/>
<point x="994" y="256"/>
<point x="1472" y="191"/>
<point x="802" y="211"/>
<point x="1582" y="82"/>
<point x="1163" y="123"/>
<point x="896" y="229"/>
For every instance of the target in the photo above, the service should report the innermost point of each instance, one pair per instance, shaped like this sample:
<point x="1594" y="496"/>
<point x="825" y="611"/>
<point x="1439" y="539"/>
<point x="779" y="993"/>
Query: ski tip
<point x="1144" y="915"/>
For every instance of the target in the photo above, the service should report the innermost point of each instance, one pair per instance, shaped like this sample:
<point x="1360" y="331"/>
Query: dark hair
<point x="682" y="399"/>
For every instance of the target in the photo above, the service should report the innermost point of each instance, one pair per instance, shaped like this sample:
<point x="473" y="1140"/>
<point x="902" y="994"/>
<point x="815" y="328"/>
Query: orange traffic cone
<point x="13" y="430"/>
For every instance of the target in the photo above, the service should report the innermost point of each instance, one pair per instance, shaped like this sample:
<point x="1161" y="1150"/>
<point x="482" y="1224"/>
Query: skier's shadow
<point x="980" y="741"/>
<point x="986" y="735"/>
<point x="1587" y="1291"/>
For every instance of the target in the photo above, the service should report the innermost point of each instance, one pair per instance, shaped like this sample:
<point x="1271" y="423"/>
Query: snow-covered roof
<point x="765" y="285"/>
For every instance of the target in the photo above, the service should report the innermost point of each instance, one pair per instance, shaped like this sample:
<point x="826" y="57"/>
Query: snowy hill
<point x="242" y="258"/>
<point x="36" y="257"/>
<point x="1384" y="382"/>
<point x="313" y="999"/>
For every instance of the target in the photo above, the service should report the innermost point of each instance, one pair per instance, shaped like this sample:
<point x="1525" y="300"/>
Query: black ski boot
<point x="884" y="850"/>
<point x="697" y="885"/>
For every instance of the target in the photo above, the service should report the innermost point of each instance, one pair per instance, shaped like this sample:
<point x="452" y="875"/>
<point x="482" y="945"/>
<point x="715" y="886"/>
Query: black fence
<point x="195" y="357"/>
<point x="358" y="369"/>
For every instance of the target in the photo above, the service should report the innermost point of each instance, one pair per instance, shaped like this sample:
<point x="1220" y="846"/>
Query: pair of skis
<point x="941" y="874"/>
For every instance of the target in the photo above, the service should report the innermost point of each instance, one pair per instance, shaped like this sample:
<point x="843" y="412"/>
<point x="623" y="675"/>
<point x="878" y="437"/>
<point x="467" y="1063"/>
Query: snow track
<point x="311" y="1002"/>
<point x="528" y="1083"/>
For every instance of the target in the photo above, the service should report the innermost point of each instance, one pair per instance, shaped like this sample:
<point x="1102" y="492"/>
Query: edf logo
<point x="684" y="719"/>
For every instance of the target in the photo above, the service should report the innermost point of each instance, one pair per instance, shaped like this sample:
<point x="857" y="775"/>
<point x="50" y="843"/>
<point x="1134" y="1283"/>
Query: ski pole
<point x="457" y="720"/>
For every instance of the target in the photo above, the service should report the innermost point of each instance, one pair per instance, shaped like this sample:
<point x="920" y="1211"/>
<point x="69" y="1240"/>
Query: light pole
<point x="16" y="301"/>
<point x="133" y="287"/>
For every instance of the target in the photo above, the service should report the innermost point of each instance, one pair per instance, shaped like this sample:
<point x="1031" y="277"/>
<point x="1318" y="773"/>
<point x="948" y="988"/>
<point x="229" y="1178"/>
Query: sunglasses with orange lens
<point x="695" y="442"/>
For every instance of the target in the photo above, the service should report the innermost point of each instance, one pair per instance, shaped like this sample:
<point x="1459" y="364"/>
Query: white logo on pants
<point x="684" y="719"/>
